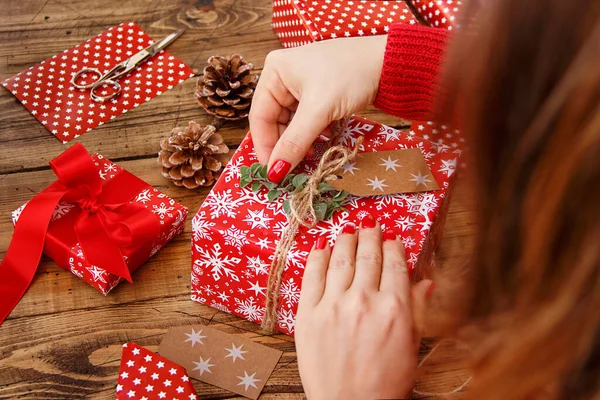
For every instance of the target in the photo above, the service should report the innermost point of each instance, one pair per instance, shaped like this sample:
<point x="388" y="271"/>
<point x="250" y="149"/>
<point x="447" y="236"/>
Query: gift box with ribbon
<point x="438" y="13"/>
<point x="299" y="22"/>
<point x="237" y="230"/>
<point x="96" y="220"/>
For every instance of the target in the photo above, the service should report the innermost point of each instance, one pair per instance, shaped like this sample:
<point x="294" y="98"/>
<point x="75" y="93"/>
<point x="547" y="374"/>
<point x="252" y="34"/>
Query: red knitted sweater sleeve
<point x="411" y="68"/>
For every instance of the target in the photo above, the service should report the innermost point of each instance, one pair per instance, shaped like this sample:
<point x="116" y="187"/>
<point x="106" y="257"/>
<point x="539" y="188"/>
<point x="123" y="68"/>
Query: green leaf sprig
<point x="325" y="204"/>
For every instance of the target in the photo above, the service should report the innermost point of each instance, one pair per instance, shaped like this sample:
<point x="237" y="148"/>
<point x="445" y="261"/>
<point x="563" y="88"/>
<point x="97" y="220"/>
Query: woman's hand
<point x="355" y="336"/>
<point x="302" y="90"/>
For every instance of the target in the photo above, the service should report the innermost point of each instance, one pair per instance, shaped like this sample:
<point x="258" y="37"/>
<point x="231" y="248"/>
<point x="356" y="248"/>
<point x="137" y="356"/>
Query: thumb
<point x="420" y="293"/>
<point x="306" y="125"/>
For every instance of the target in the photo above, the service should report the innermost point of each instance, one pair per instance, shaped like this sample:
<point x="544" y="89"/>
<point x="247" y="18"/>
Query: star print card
<point x="227" y="361"/>
<point x="67" y="112"/>
<point x="145" y="375"/>
<point x="61" y="244"/>
<point x="299" y="22"/>
<point x="236" y="231"/>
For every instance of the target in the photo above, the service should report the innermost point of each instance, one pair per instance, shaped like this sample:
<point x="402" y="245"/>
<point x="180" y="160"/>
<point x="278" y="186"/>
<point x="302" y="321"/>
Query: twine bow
<point x="302" y="213"/>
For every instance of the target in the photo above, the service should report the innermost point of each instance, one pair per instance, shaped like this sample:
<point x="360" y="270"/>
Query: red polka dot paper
<point x="438" y="13"/>
<point x="145" y="375"/>
<point x="67" y="112"/>
<point x="236" y="230"/>
<point x="299" y="22"/>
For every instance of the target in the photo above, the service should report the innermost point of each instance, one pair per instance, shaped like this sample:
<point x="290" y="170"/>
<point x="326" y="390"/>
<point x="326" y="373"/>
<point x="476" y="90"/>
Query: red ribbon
<point x="104" y="223"/>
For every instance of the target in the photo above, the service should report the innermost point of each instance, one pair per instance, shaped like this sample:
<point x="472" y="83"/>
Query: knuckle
<point x="272" y="57"/>
<point x="371" y="259"/>
<point x="291" y="147"/>
<point x="392" y="306"/>
<point x="397" y="266"/>
<point x="341" y="264"/>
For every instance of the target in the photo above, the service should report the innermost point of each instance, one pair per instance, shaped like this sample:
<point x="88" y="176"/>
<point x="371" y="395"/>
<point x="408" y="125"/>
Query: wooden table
<point x="64" y="338"/>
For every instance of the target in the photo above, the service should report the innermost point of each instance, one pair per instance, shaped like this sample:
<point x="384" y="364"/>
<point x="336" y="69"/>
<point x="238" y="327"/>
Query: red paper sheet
<point x="67" y="112"/>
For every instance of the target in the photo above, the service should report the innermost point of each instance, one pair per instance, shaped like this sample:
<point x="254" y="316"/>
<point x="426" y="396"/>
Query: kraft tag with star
<point x="386" y="172"/>
<point x="227" y="361"/>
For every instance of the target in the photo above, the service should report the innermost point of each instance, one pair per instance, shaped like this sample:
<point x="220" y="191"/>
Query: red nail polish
<point x="320" y="243"/>
<point x="349" y="229"/>
<point x="430" y="290"/>
<point x="278" y="171"/>
<point x="389" y="235"/>
<point x="368" y="222"/>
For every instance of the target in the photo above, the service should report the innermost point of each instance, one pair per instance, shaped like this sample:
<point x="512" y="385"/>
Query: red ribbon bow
<point x="106" y="221"/>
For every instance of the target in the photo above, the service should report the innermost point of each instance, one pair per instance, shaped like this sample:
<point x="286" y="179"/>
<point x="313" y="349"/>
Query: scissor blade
<point x="164" y="42"/>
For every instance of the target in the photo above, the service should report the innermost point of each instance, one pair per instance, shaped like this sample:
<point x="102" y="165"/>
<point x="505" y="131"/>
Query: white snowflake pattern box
<point x="235" y="232"/>
<point x="62" y="247"/>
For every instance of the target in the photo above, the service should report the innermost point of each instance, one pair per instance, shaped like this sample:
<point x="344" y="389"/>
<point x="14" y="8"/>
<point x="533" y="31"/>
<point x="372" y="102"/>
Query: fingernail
<point x="349" y="229"/>
<point x="278" y="171"/>
<point x="389" y="235"/>
<point x="368" y="222"/>
<point x="430" y="289"/>
<point x="320" y="243"/>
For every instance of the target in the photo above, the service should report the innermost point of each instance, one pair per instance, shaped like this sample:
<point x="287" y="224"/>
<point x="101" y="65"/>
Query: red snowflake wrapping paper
<point x="438" y="13"/>
<point x="67" y="112"/>
<point x="235" y="232"/>
<point x="171" y="214"/>
<point x="299" y="22"/>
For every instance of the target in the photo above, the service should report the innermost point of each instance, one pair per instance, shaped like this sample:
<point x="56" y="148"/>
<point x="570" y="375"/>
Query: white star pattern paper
<point x="299" y="22"/>
<point x="438" y="13"/>
<point x="67" y="112"/>
<point x="144" y="375"/>
<point x="231" y="275"/>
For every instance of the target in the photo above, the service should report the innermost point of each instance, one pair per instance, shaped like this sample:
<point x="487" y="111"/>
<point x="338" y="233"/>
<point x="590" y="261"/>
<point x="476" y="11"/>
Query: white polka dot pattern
<point x="438" y="13"/>
<point x="299" y="22"/>
<point x="46" y="90"/>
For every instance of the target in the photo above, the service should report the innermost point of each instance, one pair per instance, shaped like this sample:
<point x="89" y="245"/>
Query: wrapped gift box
<point x="60" y="239"/>
<point x="438" y="13"/>
<point x="299" y="22"/>
<point x="235" y="232"/>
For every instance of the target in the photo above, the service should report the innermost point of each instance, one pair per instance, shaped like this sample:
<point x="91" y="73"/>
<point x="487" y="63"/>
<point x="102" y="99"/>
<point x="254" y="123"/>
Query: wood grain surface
<point x="64" y="338"/>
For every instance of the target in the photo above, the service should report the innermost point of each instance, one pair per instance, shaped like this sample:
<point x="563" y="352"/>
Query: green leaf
<point x="245" y="181"/>
<point x="270" y="185"/>
<point x="263" y="172"/>
<point x="299" y="180"/>
<point x="273" y="195"/>
<point x="256" y="186"/>
<point x="287" y="181"/>
<point x="244" y="171"/>
<point x="320" y="211"/>
<point x="341" y="195"/>
<point x="255" y="168"/>
<point x="325" y="187"/>
<point x="286" y="207"/>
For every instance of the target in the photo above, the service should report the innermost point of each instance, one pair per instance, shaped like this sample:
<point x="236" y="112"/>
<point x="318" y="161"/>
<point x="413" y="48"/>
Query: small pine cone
<point x="226" y="88"/>
<point x="193" y="156"/>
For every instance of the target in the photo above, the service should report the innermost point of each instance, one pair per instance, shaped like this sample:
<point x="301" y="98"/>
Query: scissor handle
<point x="86" y="70"/>
<point x="99" y="84"/>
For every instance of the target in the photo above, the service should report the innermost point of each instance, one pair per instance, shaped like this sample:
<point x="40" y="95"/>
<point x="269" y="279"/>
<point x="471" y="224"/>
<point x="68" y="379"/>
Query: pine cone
<point x="226" y="88"/>
<point x="193" y="156"/>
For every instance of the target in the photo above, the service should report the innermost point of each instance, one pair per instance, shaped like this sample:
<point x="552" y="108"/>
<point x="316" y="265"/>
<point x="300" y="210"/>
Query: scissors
<point x="122" y="68"/>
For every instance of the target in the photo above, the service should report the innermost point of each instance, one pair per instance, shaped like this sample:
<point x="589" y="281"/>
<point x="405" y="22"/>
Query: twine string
<point x="302" y="213"/>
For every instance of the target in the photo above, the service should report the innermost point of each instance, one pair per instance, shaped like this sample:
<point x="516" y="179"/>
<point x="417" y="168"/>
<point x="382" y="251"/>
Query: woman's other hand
<point x="355" y="336"/>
